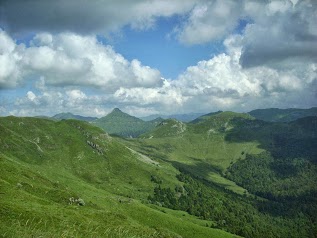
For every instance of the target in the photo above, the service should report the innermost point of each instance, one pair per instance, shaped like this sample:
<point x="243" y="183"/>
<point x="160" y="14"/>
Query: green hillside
<point x="288" y="165"/>
<point x="282" y="115"/>
<point x="180" y="117"/>
<point x="272" y="162"/>
<point x="68" y="115"/>
<point x="122" y="124"/>
<point x="222" y="174"/>
<point x="47" y="175"/>
<point x="200" y="146"/>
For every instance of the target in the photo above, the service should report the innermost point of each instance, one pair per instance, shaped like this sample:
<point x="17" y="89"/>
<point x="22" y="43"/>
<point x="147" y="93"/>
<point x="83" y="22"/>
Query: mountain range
<point x="283" y="115"/>
<point x="180" y="117"/>
<point x="122" y="124"/>
<point x="224" y="174"/>
<point x="68" y="115"/>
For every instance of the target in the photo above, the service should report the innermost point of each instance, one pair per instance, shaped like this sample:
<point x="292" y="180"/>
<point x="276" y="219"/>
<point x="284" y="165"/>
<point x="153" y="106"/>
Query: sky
<point x="156" y="56"/>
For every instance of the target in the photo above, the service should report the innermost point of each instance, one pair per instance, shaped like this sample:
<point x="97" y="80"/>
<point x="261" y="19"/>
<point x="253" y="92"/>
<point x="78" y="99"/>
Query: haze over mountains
<point x="122" y="124"/>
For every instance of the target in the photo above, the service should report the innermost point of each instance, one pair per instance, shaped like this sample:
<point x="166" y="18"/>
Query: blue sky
<point x="157" y="48"/>
<point x="150" y="57"/>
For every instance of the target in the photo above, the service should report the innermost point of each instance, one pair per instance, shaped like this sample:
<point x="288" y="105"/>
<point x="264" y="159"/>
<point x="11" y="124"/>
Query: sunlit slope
<point x="123" y="124"/>
<point x="47" y="166"/>
<point x="200" y="146"/>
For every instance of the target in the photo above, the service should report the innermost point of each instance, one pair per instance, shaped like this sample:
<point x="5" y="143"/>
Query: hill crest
<point x="122" y="124"/>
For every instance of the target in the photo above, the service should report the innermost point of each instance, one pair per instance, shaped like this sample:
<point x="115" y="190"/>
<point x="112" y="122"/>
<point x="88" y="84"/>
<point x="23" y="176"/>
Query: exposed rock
<point x="76" y="201"/>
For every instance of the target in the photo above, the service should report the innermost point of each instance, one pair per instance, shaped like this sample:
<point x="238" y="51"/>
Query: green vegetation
<point x="282" y="115"/>
<point x="122" y="124"/>
<point x="68" y="115"/>
<point x="46" y="165"/>
<point x="199" y="147"/>
<point x="238" y="174"/>
<point x="180" y="117"/>
<point x="273" y="163"/>
<point x="237" y="214"/>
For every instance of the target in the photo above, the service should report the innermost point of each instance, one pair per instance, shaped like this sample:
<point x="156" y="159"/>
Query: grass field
<point x="44" y="164"/>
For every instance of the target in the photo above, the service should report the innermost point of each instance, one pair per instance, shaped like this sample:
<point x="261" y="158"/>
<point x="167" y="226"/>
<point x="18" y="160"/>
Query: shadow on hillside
<point x="289" y="206"/>
<point x="201" y="171"/>
<point x="282" y="140"/>
<point x="200" y="168"/>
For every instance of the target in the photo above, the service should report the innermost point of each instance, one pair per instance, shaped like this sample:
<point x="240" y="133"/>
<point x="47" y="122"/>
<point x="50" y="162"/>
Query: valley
<point x="223" y="174"/>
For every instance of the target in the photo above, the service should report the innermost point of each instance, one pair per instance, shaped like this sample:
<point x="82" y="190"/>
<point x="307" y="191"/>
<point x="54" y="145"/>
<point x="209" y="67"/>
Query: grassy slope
<point x="68" y="115"/>
<point x="199" y="147"/>
<point x="122" y="124"/>
<point x="44" y="163"/>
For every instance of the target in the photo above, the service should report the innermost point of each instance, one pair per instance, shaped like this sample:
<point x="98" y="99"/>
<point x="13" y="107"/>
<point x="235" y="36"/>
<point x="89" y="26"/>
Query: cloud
<point x="69" y="59"/>
<point x="86" y="17"/>
<point x="276" y="31"/>
<point x="209" y="21"/>
<point x="10" y="74"/>
<point x="50" y="101"/>
<point x="221" y="83"/>
<point x="281" y="30"/>
<point x="271" y="62"/>
<point x="166" y="98"/>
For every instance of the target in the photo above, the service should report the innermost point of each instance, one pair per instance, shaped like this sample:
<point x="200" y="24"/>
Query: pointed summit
<point x="116" y="110"/>
<point x="120" y="123"/>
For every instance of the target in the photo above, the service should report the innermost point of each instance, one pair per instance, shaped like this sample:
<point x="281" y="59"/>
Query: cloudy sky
<point x="156" y="56"/>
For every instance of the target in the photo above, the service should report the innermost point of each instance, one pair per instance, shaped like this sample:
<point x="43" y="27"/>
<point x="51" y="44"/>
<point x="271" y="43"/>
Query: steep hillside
<point x="272" y="161"/>
<point x="227" y="171"/>
<point x="202" y="140"/>
<point x="282" y="115"/>
<point x="68" y="115"/>
<point x="166" y="128"/>
<point x="70" y="179"/>
<point x="289" y="164"/>
<point x="122" y="124"/>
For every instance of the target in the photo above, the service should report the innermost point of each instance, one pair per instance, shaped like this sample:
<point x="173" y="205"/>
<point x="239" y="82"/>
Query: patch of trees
<point x="274" y="178"/>
<point x="237" y="214"/>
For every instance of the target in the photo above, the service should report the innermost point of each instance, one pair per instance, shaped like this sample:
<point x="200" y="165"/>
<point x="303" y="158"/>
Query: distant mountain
<point x="282" y="115"/>
<point x="46" y="117"/>
<point x="152" y="117"/>
<point x="216" y="122"/>
<point x="68" y="115"/>
<point x="226" y="170"/>
<point x="166" y="128"/>
<point x="123" y="124"/>
<point x="180" y="117"/>
<point x="204" y="117"/>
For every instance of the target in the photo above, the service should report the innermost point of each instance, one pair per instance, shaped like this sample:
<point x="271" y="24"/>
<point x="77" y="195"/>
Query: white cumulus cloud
<point x="209" y="21"/>
<point x="69" y="59"/>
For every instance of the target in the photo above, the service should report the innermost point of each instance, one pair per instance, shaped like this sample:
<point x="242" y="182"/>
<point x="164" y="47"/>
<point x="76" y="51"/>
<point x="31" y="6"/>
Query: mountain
<point x="68" y="115"/>
<point x="70" y="179"/>
<point x="274" y="162"/>
<point x="166" y="128"/>
<point x="180" y="117"/>
<point x="122" y="124"/>
<point x="152" y="117"/>
<point x="225" y="172"/>
<point x="282" y="115"/>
